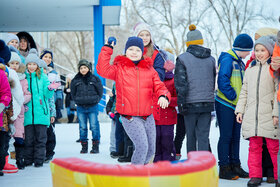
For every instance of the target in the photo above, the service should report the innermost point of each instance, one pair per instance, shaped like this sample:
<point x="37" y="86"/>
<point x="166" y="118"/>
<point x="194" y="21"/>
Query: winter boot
<point x="78" y="141"/>
<point x="9" y="168"/>
<point x="70" y="118"/>
<point x="127" y="157"/>
<point x="95" y="147"/>
<point x="119" y="153"/>
<point x="277" y="184"/>
<point x="270" y="180"/>
<point x="84" y="147"/>
<point x="1" y="173"/>
<point x="237" y="170"/>
<point x="226" y="173"/>
<point x="19" y="156"/>
<point x="13" y="155"/>
<point x="254" y="182"/>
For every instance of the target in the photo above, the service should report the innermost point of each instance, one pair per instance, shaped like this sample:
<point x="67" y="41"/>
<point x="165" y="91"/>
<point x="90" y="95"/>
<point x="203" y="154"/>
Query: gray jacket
<point x="195" y="75"/>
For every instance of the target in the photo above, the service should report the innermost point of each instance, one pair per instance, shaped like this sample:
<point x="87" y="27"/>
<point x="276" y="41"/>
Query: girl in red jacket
<point x="165" y="148"/>
<point x="136" y="81"/>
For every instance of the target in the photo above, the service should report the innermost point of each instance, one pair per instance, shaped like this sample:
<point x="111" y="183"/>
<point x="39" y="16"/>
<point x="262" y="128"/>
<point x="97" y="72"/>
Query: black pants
<point x="7" y="145"/>
<point x="180" y="133"/>
<point x="51" y="141"/>
<point x="3" y="136"/>
<point x="35" y="143"/>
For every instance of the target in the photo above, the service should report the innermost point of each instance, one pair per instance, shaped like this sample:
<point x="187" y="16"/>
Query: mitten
<point x="54" y="85"/>
<point x="111" y="115"/>
<point x="112" y="39"/>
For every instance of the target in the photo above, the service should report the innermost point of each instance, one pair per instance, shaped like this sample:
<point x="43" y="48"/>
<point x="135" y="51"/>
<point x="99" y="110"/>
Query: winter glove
<point x="111" y="115"/>
<point x="12" y="129"/>
<point x="54" y="85"/>
<point x="2" y="107"/>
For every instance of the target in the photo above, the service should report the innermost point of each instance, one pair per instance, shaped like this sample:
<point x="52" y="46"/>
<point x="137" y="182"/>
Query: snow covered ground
<point x="67" y="134"/>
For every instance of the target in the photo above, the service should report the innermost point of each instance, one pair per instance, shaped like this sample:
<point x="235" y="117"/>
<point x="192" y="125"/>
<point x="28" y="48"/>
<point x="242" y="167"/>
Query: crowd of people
<point x="152" y="92"/>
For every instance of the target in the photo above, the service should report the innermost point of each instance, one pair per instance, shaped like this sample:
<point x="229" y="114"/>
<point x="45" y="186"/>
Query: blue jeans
<point x="84" y="114"/>
<point x="229" y="141"/>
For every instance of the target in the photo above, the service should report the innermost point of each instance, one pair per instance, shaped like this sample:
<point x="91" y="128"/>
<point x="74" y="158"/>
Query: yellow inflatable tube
<point x="198" y="171"/>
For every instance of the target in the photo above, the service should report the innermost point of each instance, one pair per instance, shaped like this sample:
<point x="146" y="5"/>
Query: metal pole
<point x="98" y="33"/>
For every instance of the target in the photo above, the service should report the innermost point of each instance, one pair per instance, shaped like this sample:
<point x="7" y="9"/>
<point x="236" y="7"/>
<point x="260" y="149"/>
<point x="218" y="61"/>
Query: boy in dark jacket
<point x="195" y="74"/>
<point x="87" y="91"/>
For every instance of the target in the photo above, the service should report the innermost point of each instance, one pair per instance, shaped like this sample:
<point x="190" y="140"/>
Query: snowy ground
<point x="67" y="134"/>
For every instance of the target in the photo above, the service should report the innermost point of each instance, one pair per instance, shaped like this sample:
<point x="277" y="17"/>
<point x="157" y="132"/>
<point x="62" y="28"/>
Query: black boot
<point x="226" y="173"/>
<point x="127" y="157"/>
<point x="84" y="147"/>
<point x="95" y="147"/>
<point x="254" y="182"/>
<point x="1" y="173"/>
<point x="19" y="155"/>
<point x="237" y="170"/>
<point x="119" y="153"/>
<point x="70" y="118"/>
<point x="277" y="184"/>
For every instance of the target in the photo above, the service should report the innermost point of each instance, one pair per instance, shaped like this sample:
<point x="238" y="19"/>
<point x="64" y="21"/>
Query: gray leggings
<point x="143" y="135"/>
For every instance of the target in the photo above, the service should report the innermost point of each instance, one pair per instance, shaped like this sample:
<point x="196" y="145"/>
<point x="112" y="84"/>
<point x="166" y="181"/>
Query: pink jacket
<point x="20" y="119"/>
<point x="5" y="93"/>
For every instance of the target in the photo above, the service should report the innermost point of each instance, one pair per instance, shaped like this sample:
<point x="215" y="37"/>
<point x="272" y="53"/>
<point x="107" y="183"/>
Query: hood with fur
<point x="122" y="60"/>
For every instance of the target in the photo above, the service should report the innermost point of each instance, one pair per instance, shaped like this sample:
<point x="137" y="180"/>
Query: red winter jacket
<point x="135" y="84"/>
<point x="167" y="116"/>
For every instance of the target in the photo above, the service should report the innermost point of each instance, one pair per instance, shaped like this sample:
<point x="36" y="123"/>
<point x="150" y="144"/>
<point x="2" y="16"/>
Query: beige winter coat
<point x="258" y="102"/>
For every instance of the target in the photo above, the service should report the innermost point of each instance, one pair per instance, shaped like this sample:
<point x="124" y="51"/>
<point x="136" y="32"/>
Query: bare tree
<point x="70" y="47"/>
<point x="168" y="22"/>
<point x="235" y="16"/>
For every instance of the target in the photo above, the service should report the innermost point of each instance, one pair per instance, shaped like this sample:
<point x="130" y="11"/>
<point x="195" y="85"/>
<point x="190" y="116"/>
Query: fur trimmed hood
<point x="146" y="63"/>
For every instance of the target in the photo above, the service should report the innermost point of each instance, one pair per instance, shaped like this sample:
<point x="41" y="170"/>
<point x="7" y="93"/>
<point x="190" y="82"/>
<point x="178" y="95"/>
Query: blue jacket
<point x="230" y="78"/>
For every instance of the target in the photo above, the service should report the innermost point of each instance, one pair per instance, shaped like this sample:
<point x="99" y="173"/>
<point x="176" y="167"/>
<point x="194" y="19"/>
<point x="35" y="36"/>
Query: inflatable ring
<point x="198" y="171"/>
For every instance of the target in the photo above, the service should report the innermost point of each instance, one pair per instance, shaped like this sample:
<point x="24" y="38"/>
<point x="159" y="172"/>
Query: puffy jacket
<point x="5" y="93"/>
<point x="158" y="63"/>
<point x="86" y="90"/>
<point x="195" y="74"/>
<point x="38" y="108"/>
<point x="135" y="84"/>
<point x="230" y="77"/>
<point x="17" y="94"/>
<point x="27" y="97"/>
<point x="258" y="103"/>
<point x="167" y="116"/>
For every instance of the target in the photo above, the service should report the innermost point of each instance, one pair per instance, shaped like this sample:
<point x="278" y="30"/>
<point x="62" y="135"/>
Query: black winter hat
<point x="86" y="63"/>
<point x="134" y="41"/>
<point x="5" y="53"/>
